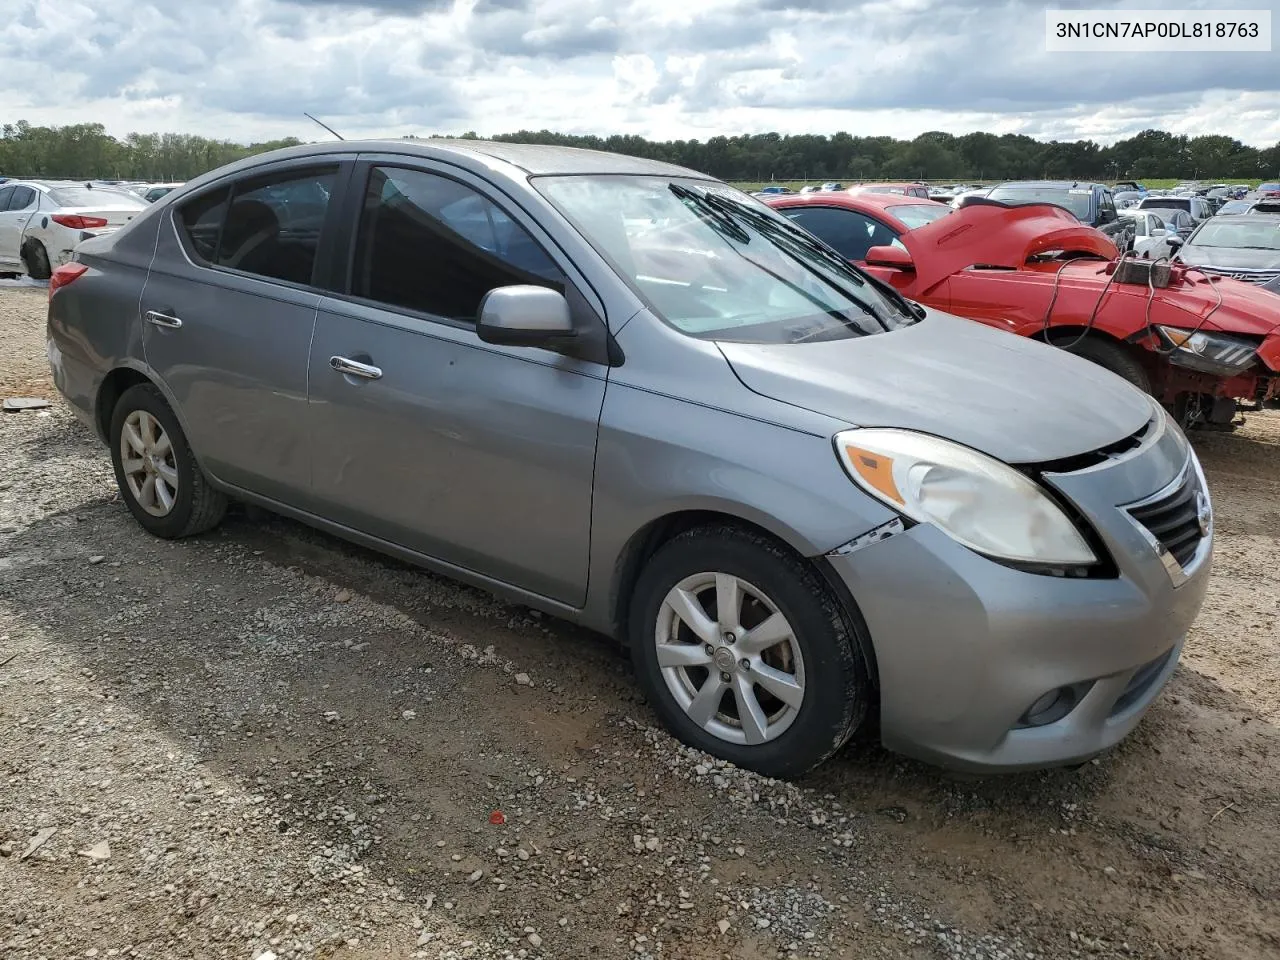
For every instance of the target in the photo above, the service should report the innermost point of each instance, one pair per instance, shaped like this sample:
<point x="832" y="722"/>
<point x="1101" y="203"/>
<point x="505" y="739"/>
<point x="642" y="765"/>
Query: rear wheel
<point x="37" y="260"/>
<point x="158" y="476"/>
<point x="745" y="653"/>
<point x="1113" y="357"/>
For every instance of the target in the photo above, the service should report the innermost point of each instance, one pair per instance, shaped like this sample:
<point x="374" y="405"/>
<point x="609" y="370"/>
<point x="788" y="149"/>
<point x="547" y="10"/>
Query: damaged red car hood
<point x="994" y="235"/>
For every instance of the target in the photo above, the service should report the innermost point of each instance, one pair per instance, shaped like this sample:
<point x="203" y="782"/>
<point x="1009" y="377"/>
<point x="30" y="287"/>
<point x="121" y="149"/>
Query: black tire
<point x="37" y="260"/>
<point x="197" y="506"/>
<point x="1114" y="357"/>
<point x="836" y="682"/>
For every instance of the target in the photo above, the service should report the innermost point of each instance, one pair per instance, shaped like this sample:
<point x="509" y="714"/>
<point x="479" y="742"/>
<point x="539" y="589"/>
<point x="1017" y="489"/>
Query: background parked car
<point x="1178" y="219"/>
<point x="1244" y="247"/>
<point x="1265" y="206"/>
<point x="1131" y="186"/>
<point x="1197" y="207"/>
<point x="906" y="189"/>
<point x="151" y="192"/>
<point x="1090" y="203"/>
<point x="41" y="221"/>
<point x="1037" y="271"/>
<point x="1233" y="207"/>
<point x="1150" y="233"/>
<point x="1126" y="198"/>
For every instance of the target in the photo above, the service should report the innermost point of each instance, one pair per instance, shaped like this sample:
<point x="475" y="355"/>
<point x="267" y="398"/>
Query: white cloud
<point x="247" y="69"/>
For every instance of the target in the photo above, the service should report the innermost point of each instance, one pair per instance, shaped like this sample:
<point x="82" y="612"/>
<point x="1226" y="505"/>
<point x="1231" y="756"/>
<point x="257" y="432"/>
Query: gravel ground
<point x="267" y="743"/>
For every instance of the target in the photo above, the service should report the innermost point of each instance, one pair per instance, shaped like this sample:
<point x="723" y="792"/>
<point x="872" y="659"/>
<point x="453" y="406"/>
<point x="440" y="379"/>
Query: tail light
<point x="77" y="222"/>
<point x="64" y="275"/>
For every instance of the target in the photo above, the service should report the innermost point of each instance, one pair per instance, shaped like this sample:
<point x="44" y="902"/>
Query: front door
<point x="478" y="455"/>
<point x="10" y="229"/>
<point x="228" y="312"/>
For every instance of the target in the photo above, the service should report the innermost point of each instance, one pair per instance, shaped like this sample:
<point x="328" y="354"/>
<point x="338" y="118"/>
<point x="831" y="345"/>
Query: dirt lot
<point x="264" y="742"/>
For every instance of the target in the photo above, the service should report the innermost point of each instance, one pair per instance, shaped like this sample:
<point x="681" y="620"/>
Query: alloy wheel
<point x="150" y="469"/>
<point x="730" y="658"/>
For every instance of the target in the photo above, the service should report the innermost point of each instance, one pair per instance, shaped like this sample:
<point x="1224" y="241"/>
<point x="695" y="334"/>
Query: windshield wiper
<point x="785" y="229"/>
<point x="722" y="221"/>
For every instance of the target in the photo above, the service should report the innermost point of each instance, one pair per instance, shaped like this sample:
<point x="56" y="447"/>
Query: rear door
<point x="475" y="454"/>
<point x="228" y="312"/>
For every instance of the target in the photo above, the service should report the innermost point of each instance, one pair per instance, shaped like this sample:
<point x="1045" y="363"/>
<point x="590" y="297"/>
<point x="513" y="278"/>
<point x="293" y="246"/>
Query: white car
<point x="1150" y="233"/>
<point x="41" y="221"/>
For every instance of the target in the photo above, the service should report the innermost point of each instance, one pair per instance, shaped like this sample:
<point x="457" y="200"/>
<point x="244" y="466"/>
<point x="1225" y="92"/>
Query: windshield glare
<point x="918" y="214"/>
<point x="717" y="264"/>
<point x="1263" y="235"/>
<point x="1077" y="201"/>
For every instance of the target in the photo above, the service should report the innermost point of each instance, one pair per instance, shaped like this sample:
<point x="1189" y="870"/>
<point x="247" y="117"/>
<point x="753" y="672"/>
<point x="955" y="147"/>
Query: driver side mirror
<point x="889" y="256"/>
<point x="1174" y="242"/>
<point x="524" y="315"/>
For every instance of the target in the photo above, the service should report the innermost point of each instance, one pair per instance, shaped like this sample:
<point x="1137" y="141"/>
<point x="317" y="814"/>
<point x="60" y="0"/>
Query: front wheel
<point x="159" y="478"/>
<point x="1114" y="357"/>
<point x="745" y="653"/>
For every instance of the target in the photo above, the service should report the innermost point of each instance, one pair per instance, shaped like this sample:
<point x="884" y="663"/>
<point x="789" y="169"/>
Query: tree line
<point x="85" y="150"/>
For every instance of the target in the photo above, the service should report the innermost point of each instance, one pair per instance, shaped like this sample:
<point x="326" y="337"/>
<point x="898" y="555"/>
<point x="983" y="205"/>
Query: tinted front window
<point x="850" y="232"/>
<point x="201" y="221"/>
<point x="5" y="194"/>
<point x="716" y="264"/>
<point x="436" y="246"/>
<point x="1078" y="200"/>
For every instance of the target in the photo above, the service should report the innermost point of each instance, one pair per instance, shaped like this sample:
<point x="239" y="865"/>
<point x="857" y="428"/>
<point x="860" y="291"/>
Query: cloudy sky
<point x="246" y="69"/>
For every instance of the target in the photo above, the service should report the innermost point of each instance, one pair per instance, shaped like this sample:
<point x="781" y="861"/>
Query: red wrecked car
<point x="1199" y="344"/>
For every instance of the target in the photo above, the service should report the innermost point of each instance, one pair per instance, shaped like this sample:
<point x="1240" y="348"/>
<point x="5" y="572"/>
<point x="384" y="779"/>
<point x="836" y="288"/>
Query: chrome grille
<point x="1239" y="273"/>
<point x="1178" y="519"/>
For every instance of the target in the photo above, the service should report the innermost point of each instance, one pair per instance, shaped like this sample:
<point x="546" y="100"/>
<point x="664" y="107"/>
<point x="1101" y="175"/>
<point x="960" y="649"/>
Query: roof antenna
<point x="325" y="125"/>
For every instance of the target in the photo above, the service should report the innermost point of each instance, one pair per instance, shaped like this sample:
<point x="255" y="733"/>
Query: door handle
<point x="162" y="319"/>
<point x="355" y="368"/>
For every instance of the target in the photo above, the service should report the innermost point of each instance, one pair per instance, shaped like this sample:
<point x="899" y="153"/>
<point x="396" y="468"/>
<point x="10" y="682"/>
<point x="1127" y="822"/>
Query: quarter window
<point x="851" y="233"/>
<point x="433" y="245"/>
<point x="268" y="226"/>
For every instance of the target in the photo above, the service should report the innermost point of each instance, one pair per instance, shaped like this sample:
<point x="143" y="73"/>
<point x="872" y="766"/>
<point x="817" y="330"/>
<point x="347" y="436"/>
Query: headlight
<point x="1208" y="352"/>
<point x="983" y="503"/>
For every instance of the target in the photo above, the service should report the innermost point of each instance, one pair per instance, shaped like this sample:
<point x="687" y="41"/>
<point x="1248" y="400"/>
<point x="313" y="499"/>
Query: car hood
<point x="1008" y="396"/>
<point x="995" y="235"/>
<point x="1243" y="257"/>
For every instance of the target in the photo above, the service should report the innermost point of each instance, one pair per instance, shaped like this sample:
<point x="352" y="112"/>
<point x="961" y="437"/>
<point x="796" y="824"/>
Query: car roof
<point x="1064" y="184"/>
<point x="887" y="183"/>
<point x="534" y="159"/>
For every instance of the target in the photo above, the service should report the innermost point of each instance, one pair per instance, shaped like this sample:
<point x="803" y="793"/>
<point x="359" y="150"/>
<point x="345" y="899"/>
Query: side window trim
<point x="345" y="258"/>
<point x="322" y="270"/>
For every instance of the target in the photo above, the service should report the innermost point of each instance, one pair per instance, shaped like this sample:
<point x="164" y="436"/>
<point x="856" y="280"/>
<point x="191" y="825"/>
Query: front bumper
<point x="965" y="646"/>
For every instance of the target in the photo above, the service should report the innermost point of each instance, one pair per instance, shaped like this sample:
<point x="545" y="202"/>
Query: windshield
<point x="918" y="214"/>
<point x="1262" y="235"/>
<point x="1075" y="199"/>
<point x="719" y="265"/>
